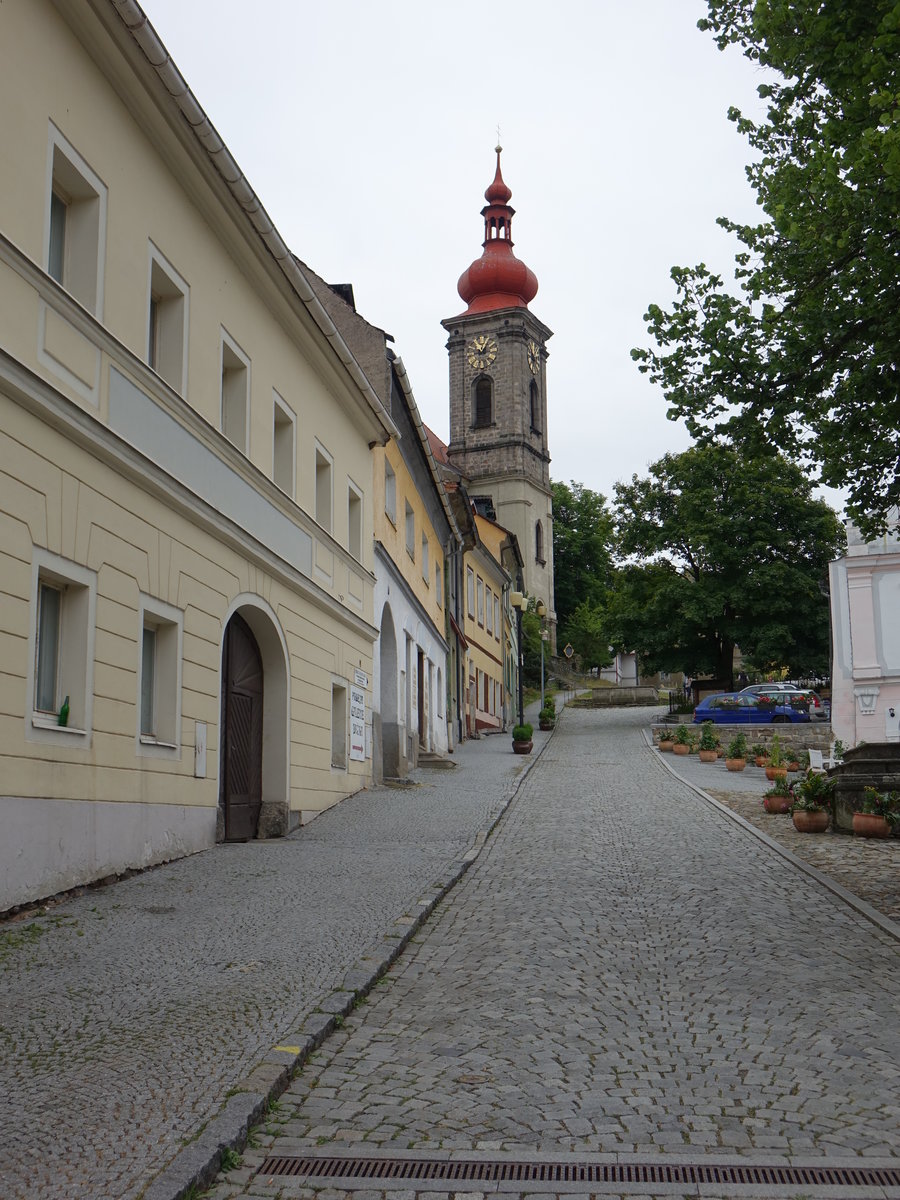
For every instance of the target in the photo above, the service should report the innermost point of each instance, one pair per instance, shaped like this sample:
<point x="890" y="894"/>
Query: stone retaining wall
<point x="816" y="735"/>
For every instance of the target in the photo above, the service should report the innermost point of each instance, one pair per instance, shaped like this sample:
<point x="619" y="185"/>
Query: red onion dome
<point x="498" y="279"/>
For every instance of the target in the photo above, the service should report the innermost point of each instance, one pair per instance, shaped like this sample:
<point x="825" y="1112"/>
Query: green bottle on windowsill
<point x="63" y="718"/>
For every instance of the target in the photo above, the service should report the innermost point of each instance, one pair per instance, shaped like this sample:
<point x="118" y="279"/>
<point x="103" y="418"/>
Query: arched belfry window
<point x="535" y="408"/>
<point x="484" y="403"/>
<point x="539" y="543"/>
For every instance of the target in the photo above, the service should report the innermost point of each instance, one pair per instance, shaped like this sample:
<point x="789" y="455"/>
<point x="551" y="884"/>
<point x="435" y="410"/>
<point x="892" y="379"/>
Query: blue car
<point x="745" y="708"/>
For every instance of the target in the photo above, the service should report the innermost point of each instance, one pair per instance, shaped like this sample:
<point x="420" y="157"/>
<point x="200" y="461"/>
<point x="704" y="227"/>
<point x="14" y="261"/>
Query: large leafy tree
<point x="805" y="356"/>
<point x="582" y="548"/>
<point x="726" y="550"/>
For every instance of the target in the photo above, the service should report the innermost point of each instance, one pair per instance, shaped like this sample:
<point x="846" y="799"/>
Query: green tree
<point x="582" y="549"/>
<point x="805" y="357"/>
<point x="727" y="550"/>
<point x="588" y="631"/>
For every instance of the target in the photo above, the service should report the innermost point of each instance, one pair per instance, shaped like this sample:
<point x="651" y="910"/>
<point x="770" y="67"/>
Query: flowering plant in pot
<point x="878" y="815"/>
<point x="776" y="768"/>
<point x="736" y="754"/>
<point x="521" y="738"/>
<point x="709" y="742"/>
<point x="666" y="741"/>
<point x="760" y="753"/>
<point x="684" y="740"/>
<point x="813" y="799"/>
<point x="779" y="797"/>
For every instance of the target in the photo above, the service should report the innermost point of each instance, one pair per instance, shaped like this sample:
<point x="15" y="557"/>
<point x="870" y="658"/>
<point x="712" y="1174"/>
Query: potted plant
<point x="709" y="742"/>
<point x="521" y="738"/>
<point x="779" y="797"/>
<point x="666" y="742"/>
<point x="736" y="754"/>
<point x="760" y="754"/>
<point x="684" y="739"/>
<point x="811" y="810"/>
<point x="547" y="716"/>
<point x="776" y="768"/>
<point x="879" y="813"/>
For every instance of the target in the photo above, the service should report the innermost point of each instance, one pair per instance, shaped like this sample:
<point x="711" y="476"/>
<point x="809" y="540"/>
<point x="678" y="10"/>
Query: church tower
<point x="498" y="395"/>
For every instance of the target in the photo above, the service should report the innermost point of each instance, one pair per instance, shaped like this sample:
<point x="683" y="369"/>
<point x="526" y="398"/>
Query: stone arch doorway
<point x="254" y="737"/>
<point x="242" y="731"/>
<point x="390" y="726"/>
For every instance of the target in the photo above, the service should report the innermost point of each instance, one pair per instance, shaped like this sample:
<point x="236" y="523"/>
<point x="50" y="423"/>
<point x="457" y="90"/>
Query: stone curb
<point x="196" y="1166"/>
<point x="885" y="924"/>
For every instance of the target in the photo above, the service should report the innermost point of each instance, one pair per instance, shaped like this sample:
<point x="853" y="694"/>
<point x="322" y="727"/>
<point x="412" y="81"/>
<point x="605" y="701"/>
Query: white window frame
<point x="76" y="631"/>
<point x="470" y="593"/>
<point x="323" y="476"/>
<point x="497" y="623"/>
<point x="83" y="250"/>
<point x="167" y="623"/>
<point x="284" y="445"/>
<point x="479" y="594"/>
<point x="340" y="727"/>
<point x="167" y="321"/>
<point x="390" y="493"/>
<point x="355" y="522"/>
<point x="234" y="391"/>
<point x="489" y="609"/>
<point x="426" y="560"/>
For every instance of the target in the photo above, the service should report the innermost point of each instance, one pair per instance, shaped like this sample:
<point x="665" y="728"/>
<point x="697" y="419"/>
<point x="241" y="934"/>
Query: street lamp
<point x="541" y="610"/>
<point x="517" y="600"/>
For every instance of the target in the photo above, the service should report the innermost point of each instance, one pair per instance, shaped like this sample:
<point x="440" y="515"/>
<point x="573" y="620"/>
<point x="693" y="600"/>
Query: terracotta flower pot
<point x="793" y="765"/>
<point x="761" y="760"/>
<point x="777" y="804"/>
<point x="773" y="773"/>
<point x="735" y="764"/>
<point x="708" y="755"/>
<point x="810" y="822"/>
<point x="522" y="747"/>
<point x="681" y="748"/>
<point x="871" y="826"/>
<point x="666" y="744"/>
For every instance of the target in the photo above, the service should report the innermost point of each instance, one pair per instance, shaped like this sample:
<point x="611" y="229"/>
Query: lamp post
<point x="517" y="600"/>
<point x="542" y="612"/>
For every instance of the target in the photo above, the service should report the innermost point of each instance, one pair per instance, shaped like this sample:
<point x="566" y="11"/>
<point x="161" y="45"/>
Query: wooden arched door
<point x="242" y="727"/>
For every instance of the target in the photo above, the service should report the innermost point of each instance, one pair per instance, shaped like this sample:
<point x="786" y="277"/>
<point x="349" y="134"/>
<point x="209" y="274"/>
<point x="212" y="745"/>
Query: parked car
<point x="789" y="693"/>
<point x="746" y="708"/>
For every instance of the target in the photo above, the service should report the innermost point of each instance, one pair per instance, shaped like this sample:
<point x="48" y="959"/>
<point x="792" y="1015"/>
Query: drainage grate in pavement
<point x="461" y="1171"/>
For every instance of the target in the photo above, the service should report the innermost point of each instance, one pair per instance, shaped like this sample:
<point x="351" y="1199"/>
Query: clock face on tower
<point x="534" y="358"/>
<point x="481" y="351"/>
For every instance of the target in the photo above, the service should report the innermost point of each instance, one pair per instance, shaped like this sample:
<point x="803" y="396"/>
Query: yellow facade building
<point x="185" y="477"/>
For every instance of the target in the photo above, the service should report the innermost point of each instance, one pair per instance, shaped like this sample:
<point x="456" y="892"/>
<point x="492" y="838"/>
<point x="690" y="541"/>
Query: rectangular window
<point x="390" y="492"/>
<point x="489" y="609"/>
<point x="61" y="641"/>
<point x="410" y="531"/>
<point x="167" y="322"/>
<point x="480" y="601"/>
<point x="235" y="393"/>
<point x="426" y="565"/>
<point x="354" y="522"/>
<point x="438" y="584"/>
<point x="323" y="488"/>
<point x="338" y="726"/>
<point x="497" y="628"/>
<point x="159" y="676"/>
<point x="76" y="224"/>
<point x="284" y="443"/>
<point x="470" y="592"/>
<point x="49" y="609"/>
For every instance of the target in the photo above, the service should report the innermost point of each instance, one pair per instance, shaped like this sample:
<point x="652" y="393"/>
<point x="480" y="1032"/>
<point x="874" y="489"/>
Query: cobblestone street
<point x="625" y="972"/>
<point x="131" y="1011"/>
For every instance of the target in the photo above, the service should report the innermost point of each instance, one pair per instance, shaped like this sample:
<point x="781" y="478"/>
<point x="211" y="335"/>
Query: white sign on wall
<point x="357" y="723"/>
<point x="360" y="678"/>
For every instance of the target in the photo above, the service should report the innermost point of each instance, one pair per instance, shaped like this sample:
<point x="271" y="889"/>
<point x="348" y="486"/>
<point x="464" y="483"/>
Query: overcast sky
<point x="367" y="129"/>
